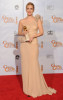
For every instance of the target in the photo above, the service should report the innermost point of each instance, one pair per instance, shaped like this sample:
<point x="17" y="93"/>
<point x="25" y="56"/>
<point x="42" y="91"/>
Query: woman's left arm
<point x="40" y="27"/>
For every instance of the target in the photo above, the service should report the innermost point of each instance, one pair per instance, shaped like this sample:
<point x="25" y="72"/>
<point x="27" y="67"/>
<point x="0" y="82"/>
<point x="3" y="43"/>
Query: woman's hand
<point x="31" y="38"/>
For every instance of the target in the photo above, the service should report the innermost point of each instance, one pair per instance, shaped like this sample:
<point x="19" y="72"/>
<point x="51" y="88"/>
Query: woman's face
<point x="29" y="10"/>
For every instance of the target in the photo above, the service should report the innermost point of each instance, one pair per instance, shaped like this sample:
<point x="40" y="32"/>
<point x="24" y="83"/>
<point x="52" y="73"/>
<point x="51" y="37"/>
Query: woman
<point x="33" y="80"/>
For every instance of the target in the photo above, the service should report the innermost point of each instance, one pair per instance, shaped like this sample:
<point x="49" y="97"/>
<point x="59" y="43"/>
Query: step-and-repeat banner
<point x="50" y="44"/>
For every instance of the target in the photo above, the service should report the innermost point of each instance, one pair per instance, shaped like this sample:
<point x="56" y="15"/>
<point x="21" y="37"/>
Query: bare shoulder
<point x="22" y="20"/>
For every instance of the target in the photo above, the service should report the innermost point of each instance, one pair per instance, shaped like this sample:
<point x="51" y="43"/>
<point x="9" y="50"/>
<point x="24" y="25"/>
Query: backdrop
<point x="50" y="44"/>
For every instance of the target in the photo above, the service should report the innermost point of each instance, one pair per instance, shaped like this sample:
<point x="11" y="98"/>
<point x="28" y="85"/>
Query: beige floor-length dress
<point x="33" y="80"/>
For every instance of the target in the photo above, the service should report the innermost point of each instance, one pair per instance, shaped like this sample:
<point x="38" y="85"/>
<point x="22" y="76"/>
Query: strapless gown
<point x="33" y="80"/>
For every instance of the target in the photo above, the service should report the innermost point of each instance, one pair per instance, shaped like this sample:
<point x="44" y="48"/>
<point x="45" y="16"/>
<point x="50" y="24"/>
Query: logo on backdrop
<point x="50" y="7"/>
<point x="8" y="44"/>
<point x="56" y="67"/>
<point x="41" y="68"/>
<point x="8" y="68"/>
<point x="16" y="7"/>
<point x="49" y="56"/>
<point x="41" y="44"/>
<point x="56" y="44"/>
<point x="57" y="19"/>
<point x="50" y="32"/>
<point x="10" y="19"/>
<point x="17" y="57"/>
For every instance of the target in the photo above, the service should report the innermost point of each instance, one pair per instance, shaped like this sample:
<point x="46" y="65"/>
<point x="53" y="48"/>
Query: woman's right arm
<point x="20" y="27"/>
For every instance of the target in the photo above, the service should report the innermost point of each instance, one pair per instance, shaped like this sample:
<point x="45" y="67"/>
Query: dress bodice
<point x="32" y="27"/>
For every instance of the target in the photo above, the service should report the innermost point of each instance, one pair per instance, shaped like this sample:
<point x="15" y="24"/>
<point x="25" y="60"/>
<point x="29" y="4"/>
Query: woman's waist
<point x="32" y="33"/>
<point x="34" y="41"/>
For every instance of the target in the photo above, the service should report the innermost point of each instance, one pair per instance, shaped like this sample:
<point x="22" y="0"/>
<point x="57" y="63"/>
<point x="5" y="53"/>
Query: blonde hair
<point x="30" y="3"/>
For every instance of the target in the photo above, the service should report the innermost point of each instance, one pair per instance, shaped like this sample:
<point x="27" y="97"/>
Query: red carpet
<point x="11" y="87"/>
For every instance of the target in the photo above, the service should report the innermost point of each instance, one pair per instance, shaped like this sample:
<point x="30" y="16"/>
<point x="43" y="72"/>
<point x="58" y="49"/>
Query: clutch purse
<point x="25" y="38"/>
<point x="21" y="38"/>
